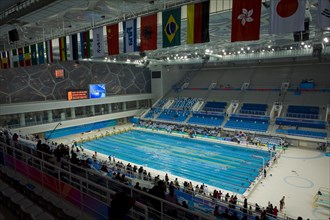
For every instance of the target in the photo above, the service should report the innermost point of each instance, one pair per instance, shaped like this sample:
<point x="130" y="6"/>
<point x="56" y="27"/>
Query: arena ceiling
<point x="40" y="20"/>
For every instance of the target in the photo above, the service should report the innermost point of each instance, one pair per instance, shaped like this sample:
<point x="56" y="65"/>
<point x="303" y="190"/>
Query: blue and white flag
<point x="98" y="44"/>
<point x="129" y="28"/>
<point x="324" y="14"/>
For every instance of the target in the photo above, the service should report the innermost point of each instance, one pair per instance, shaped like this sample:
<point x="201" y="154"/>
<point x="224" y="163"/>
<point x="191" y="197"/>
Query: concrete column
<point x="50" y="115"/>
<point x="124" y="106"/>
<point x="84" y="110"/>
<point x="110" y="108"/>
<point x="63" y="116"/>
<point x="22" y="119"/>
<point x="92" y="107"/>
<point x="73" y="112"/>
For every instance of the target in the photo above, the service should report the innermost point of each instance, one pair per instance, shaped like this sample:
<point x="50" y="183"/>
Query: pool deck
<point x="298" y="174"/>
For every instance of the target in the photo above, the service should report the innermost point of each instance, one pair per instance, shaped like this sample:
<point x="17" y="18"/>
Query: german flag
<point x="62" y="47"/>
<point x="198" y="16"/>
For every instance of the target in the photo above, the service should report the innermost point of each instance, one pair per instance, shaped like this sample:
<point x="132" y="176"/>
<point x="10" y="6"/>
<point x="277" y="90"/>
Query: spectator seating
<point x="174" y="115"/>
<point x="303" y="133"/>
<point x="254" y="109"/>
<point x="152" y="112"/>
<point x="161" y="103"/>
<point x="248" y="122"/>
<point x="184" y="103"/>
<point x="215" y="106"/>
<point x="206" y="119"/>
<point x="301" y="123"/>
<point x="309" y="112"/>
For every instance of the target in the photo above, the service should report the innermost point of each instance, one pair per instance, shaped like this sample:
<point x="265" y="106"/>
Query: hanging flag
<point x="49" y="51"/>
<point x="148" y="33"/>
<point x="41" y="53"/>
<point x="324" y="14"/>
<point x="15" y="58"/>
<point x="85" y="44"/>
<point x="4" y="60"/>
<point x="129" y="29"/>
<point x="198" y="16"/>
<point x="113" y="39"/>
<point x="245" y="20"/>
<point x="74" y="47"/>
<point x="171" y="27"/>
<point x="287" y="16"/>
<point x="21" y="57"/>
<point x="27" y="56"/>
<point x="98" y="45"/>
<point x="62" y="48"/>
<point x="8" y="59"/>
<point x="34" y="58"/>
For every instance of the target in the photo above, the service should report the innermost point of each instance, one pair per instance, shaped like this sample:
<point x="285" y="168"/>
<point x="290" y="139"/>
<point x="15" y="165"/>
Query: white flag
<point x="287" y="16"/>
<point x="98" y="44"/>
<point x="129" y="28"/>
<point x="324" y="14"/>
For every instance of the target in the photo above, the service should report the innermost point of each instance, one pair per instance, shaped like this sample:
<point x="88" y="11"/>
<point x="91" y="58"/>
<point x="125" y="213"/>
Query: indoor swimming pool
<point x="228" y="167"/>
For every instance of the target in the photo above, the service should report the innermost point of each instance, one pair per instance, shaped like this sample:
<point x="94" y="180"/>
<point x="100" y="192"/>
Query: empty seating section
<point x="248" y="122"/>
<point x="215" y="106"/>
<point x="161" y="103"/>
<point x="254" y="109"/>
<point x="301" y="123"/>
<point x="174" y="115"/>
<point x="184" y="103"/>
<point x="206" y="119"/>
<point x="152" y="112"/>
<point x="303" y="133"/>
<point x="309" y="112"/>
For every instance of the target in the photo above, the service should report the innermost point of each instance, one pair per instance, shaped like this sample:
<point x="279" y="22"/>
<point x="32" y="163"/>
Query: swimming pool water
<point x="228" y="167"/>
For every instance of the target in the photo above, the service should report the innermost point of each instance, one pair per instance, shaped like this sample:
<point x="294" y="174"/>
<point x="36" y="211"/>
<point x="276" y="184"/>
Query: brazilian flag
<point x="171" y="27"/>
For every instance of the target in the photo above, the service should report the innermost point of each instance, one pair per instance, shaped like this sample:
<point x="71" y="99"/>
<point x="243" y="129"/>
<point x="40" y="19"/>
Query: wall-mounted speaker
<point x="13" y="35"/>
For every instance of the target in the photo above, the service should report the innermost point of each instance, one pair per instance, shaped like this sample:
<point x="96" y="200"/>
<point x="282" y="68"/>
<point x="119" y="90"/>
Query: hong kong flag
<point x="246" y="20"/>
<point x="287" y="16"/>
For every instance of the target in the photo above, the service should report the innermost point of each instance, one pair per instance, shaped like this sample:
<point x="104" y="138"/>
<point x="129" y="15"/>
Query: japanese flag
<point x="287" y="16"/>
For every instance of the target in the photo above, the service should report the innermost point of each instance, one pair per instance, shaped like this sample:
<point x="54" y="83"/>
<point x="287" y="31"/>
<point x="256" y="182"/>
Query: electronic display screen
<point x="77" y="94"/>
<point x="59" y="73"/>
<point x="97" y="91"/>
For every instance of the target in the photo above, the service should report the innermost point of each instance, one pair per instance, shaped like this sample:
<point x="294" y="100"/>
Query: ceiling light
<point x="302" y="43"/>
<point x="242" y="48"/>
<point x="326" y="40"/>
<point x="207" y="51"/>
<point x="248" y="48"/>
<point x="269" y="46"/>
<point x="291" y="48"/>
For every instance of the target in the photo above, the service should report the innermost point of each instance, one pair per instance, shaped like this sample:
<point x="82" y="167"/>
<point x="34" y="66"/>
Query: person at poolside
<point x="216" y="211"/>
<point x="176" y="183"/>
<point x="171" y="197"/>
<point x="158" y="191"/>
<point x="184" y="204"/>
<point x="137" y="186"/>
<point x="282" y="203"/>
<point x="275" y="211"/>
